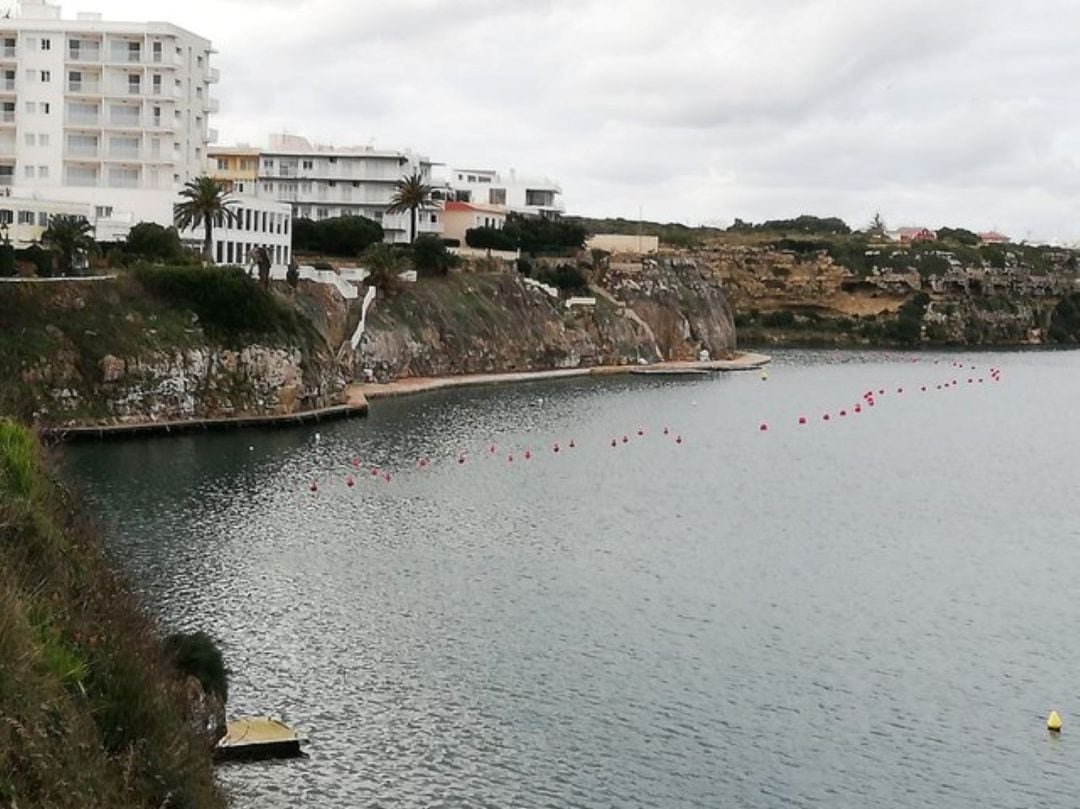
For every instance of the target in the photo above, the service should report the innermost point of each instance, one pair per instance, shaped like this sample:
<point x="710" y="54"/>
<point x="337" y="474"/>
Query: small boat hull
<point x="257" y="737"/>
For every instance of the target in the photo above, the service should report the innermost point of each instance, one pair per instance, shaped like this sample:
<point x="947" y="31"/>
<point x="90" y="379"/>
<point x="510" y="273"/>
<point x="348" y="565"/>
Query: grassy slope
<point x="91" y="714"/>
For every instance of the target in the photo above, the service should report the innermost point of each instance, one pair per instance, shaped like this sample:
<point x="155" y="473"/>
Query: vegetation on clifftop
<point x="92" y="714"/>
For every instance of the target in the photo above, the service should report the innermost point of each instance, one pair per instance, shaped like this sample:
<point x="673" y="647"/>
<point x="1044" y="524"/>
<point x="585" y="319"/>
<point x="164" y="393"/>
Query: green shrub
<point x="430" y="256"/>
<point x="338" y="236"/>
<point x="782" y="319"/>
<point x="227" y="301"/>
<point x="16" y="460"/>
<point x="565" y="277"/>
<point x="7" y="261"/>
<point x="149" y="241"/>
<point x="488" y="238"/>
<point x="197" y="655"/>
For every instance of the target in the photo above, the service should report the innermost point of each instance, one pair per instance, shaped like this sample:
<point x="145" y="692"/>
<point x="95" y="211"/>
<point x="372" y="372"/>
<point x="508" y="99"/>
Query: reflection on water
<point x="876" y="611"/>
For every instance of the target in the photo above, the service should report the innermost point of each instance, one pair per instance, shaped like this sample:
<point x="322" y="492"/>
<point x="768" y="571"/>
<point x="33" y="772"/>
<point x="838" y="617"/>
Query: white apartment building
<point x="531" y="196"/>
<point x="106" y="118"/>
<point x="321" y="182"/>
<point x="255" y="223"/>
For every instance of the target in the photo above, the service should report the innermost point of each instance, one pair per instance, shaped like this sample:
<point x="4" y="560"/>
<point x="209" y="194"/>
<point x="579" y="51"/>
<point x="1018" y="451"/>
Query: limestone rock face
<point x="493" y="322"/>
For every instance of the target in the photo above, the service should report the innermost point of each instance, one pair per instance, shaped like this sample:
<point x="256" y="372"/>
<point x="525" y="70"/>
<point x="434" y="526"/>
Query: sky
<point x="931" y="112"/>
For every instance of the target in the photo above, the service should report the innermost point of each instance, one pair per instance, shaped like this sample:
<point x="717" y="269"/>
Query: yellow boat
<point x="256" y="737"/>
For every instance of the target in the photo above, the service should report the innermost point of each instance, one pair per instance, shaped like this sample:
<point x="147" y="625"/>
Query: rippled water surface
<point x="875" y="611"/>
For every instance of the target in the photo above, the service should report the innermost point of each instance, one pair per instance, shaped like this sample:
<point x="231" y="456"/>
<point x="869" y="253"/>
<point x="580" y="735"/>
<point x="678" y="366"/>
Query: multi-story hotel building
<point x="321" y="182"/>
<point x="107" y="120"/>
<point x="107" y="117"/>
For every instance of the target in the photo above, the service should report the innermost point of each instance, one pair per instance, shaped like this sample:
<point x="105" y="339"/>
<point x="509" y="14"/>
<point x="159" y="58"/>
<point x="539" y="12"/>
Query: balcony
<point x="7" y="85"/>
<point x="7" y="146"/>
<point x="211" y="136"/>
<point x="81" y="152"/>
<point x="125" y="121"/>
<point x="84" y="87"/>
<point x="130" y="154"/>
<point x="213" y="105"/>
<point x="82" y="119"/>
<point x="84" y="55"/>
<point x="7" y="117"/>
<point x="7" y="180"/>
<point x="213" y="75"/>
<point x="124" y="56"/>
<point x="7" y="53"/>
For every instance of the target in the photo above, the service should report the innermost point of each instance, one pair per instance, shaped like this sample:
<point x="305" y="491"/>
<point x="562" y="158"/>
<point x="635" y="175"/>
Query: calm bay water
<point x="875" y="611"/>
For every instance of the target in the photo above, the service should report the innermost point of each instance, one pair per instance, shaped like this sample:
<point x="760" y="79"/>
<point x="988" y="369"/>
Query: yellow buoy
<point x="764" y="375"/>
<point x="1053" y="722"/>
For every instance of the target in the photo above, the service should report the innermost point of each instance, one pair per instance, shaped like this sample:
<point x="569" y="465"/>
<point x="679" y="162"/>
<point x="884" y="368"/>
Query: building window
<point x="46" y="44"/>
<point x="31" y="76"/>
<point x="26" y="217"/>
<point x="155" y="49"/>
<point x="46" y="76"/>
<point x="155" y="81"/>
<point x="222" y="163"/>
<point x="42" y="219"/>
<point x="434" y="219"/>
<point x="30" y="138"/>
<point x="268" y="187"/>
<point x="134" y="83"/>
<point x="43" y="139"/>
<point x="31" y="107"/>
<point x="45" y="108"/>
<point x="43" y="172"/>
<point x="103" y="211"/>
<point x="309" y="165"/>
<point x="497" y="196"/>
<point x="268" y="164"/>
<point x="6" y="216"/>
<point x="29" y="172"/>
<point x="31" y="42"/>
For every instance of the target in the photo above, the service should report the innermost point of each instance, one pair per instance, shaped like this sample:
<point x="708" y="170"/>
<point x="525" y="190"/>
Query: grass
<point x="92" y="712"/>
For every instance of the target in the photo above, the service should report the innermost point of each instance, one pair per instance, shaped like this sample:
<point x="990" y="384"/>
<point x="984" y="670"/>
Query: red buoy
<point x="314" y="486"/>
<point x="350" y="482"/>
<point x="422" y="463"/>
<point x="555" y="448"/>
<point x="386" y="477"/>
<point x="764" y="428"/>
<point x="858" y="409"/>
<point x="491" y="449"/>
<point x="640" y="431"/>
<point x="666" y="431"/>
<point x="572" y="444"/>
<point x="509" y="458"/>
<point x="899" y="390"/>
<point x="882" y="391"/>
<point x="924" y="388"/>
<point x="802" y="419"/>
<point x="625" y="439"/>
<point x="374" y="471"/>
<point x="826" y="417"/>
<point x="614" y="443"/>
<point x="356" y="463"/>
<point x="527" y="455"/>
<point x="843" y="412"/>
<point x="461" y="459"/>
<point x="678" y="439"/>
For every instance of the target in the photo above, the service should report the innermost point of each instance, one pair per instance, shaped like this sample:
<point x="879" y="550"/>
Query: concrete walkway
<point x="419" y="384"/>
<point x="356" y="405"/>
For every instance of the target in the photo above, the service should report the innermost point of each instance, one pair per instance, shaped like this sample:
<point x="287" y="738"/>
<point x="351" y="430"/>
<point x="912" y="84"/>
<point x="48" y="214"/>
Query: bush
<point x="227" y="301"/>
<point x="1065" y="320"/>
<point x="488" y="238"/>
<point x="40" y="258"/>
<point x="149" y="241"/>
<point x="537" y="235"/>
<point x="525" y="266"/>
<point x="195" y="654"/>
<point x="7" y="261"/>
<point x="782" y="319"/>
<point x="340" y="236"/>
<point x="430" y="256"/>
<point x="566" y="278"/>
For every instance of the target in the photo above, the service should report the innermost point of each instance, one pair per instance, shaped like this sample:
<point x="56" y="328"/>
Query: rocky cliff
<point x="109" y="352"/>
<point x="496" y="322"/>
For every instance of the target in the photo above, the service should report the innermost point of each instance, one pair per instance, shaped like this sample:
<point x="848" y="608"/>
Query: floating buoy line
<point x="564" y="448"/>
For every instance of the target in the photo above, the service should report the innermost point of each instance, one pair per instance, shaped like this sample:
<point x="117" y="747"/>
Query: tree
<point x="539" y="235"/>
<point x="412" y="194"/>
<point x="204" y="200"/>
<point x="489" y="238"/>
<point x="877" y="225"/>
<point x="384" y="265"/>
<point x="347" y="235"/>
<point x="70" y="238"/>
<point x="959" y="235"/>
<point x="430" y="256"/>
<point x="152" y="242"/>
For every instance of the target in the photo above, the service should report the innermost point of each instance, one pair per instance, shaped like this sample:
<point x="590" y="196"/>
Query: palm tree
<point x="412" y="194"/>
<point x="69" y="237"/>
<point x="384" y="264"/>
<point x="204" y="200"/>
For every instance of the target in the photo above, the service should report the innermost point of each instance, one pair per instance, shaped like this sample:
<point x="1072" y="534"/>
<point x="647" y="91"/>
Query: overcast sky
<point x="932" y="111"/>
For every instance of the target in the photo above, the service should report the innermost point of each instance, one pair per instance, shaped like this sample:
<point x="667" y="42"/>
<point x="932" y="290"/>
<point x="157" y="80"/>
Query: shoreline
<point x="357" y="396"/>
<point x="743" y="361"/>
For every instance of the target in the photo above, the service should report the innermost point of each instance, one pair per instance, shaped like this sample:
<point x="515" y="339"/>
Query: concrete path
<point x="419" y="384"/>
